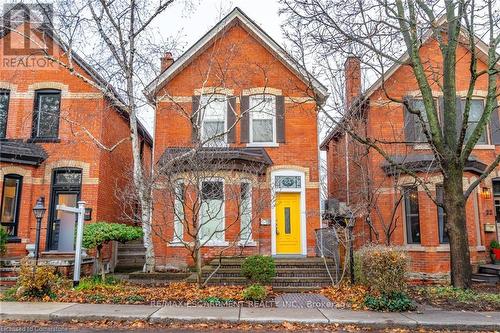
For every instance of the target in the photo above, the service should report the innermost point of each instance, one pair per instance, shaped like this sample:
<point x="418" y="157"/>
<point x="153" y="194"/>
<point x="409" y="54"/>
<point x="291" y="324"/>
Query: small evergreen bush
<point x="95" y="235"/>
<point x="383" y="268"/>
<point x="3" y="241"/>
<point x="259" y="269"/>
<point x="394" y="302"/>
<point x="255" y="292"/>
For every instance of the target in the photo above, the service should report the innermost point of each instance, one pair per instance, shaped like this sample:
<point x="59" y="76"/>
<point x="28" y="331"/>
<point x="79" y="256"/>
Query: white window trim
<point x="178" y="239"/>
<point x="249" y="241"/>
<point x="203" y="108"/>
<point x="211" y="241"/>
<point x="250" y="134"/>
<point x="303" y="217"/>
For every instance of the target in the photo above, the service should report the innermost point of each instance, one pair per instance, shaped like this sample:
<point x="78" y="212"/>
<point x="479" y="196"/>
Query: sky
<point x="204" y="14"/>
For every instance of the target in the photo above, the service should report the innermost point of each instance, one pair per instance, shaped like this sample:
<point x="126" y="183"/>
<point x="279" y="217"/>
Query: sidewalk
<point x="436" y="319"/>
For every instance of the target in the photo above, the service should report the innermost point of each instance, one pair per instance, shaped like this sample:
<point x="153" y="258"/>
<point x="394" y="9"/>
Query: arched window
<point x="46" y="114"/>
<point x="11" y="202"/>
<point x="4" y="110"/>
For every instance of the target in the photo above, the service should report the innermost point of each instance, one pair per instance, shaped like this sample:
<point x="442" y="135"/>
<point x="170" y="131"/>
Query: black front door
<point x="66" y="186"/>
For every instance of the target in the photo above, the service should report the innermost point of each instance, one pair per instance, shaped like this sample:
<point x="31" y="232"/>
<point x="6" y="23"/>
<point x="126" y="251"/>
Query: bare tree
<point x="385" y="33"/>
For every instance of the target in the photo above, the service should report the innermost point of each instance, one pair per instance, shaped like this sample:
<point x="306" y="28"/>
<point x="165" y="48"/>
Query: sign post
<point x="80" y="213"/>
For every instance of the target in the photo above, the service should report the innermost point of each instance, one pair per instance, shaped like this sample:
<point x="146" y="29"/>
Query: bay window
<point x="211" y="227"/>
<point x="412" y="216"/>
<point x="246" y="212"/>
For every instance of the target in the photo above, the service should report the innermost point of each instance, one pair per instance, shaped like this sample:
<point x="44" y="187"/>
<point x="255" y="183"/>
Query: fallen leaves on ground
<point x="478" y="298"/>
<point x="135" y="294"/>
<point x="346" y="296"/>
<point x="176" y="326"/>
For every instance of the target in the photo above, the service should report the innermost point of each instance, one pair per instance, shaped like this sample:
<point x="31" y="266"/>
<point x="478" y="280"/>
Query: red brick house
<point x="418" y="224"/>
<point x="50" y="123"/>
<point x="237" y="97"/>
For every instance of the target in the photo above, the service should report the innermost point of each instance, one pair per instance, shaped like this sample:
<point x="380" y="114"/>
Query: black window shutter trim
<point x="280" y="119"/>
<point x="409" y="118"/>
<point x="231" y="119"/>
<point x="245" y="119"/>
<point x="195" y="118"/>
<point x="495" y="124"/>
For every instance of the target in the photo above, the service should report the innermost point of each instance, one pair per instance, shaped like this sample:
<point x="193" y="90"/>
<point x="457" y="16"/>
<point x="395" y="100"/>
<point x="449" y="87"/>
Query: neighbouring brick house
<point x="239" y="82"/>
<point x="419" y="223"/>
<point x="50" y="123"/>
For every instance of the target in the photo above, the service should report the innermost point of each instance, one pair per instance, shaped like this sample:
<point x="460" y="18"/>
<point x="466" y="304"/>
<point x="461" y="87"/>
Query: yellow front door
<point x="288" y="223"/>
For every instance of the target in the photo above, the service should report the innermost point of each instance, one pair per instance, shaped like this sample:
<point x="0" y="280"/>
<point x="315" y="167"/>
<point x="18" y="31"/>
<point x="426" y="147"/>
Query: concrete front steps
<point x="9" y="270"/>
<point x="292" y="274"/>
<point x="131" y="256"/>
<point x="489" y="273"/>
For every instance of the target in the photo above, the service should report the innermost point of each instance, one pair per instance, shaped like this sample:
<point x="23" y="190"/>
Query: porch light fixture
<point x="486" y="193"/>
<point x="39" y="211"/>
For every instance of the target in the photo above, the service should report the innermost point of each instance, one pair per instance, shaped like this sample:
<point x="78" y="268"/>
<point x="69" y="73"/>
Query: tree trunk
<point x="454" y="205"/>
<point x="149" y="266"/>
<point x="199" y="263"/>
<point x="100" y="264"/>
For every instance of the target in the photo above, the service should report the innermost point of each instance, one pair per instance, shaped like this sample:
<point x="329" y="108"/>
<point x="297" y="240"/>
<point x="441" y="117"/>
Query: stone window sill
<point x="263" y="145"/>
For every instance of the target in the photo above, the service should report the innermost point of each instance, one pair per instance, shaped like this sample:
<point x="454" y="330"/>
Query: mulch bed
<point x="482" y="298"/>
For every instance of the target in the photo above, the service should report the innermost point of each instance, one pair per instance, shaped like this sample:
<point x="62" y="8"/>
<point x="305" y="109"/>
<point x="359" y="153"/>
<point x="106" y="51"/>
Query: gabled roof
<point x="480" y="47"/>
<point x="109" y="90"/>
<point x="255" y="30"/>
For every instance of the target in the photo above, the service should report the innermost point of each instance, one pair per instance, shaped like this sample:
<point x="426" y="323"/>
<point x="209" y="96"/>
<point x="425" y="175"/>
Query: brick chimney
<point x="352" y="68"/>
<point x="166" y="61"/>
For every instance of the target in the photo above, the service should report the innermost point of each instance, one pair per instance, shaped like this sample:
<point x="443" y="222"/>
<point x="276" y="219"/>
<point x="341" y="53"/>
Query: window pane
<point x="68" y="178"/>
<point x="412" y="215"/>
<point x="475" y="113"/>
<point x="212" y="190"/>
<point x="418" y="104"/>
<point x="287" y="221"/>
<point x="443" y="234"/>
<point x="48" y="115"/>
<point x="262" y="130"/>
<point x="213" y="131"/>
<point x="10" y="200"/>
<point x="496" y="187"/>
<point x="212" y="220"/>
<point x="4" y="109"/>
<point x="178" y="211"/>
<point x="263" y="111"/>
<point x="246" y="212"/>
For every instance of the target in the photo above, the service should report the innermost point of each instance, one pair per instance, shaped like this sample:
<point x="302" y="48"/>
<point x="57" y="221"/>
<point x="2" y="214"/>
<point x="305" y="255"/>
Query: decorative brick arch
<point x="48" y="85"/>
<point x="306" y="171"/>
<point x="86" y="179"/>
<point x="262" y="90"/>
<point x="25" y="173"/>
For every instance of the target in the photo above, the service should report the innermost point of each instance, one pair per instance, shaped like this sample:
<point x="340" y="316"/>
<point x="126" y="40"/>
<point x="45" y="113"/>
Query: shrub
<point x="394" y="302"/>
<point x="259" y="269"/>
<point x="383" y="268"/>
<point x="89" y="283"/>
<point x="95" y="235"/>
<point x="255" y="292"/>
<point x="37" y="284"/>
<point x="3" y="241"/>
